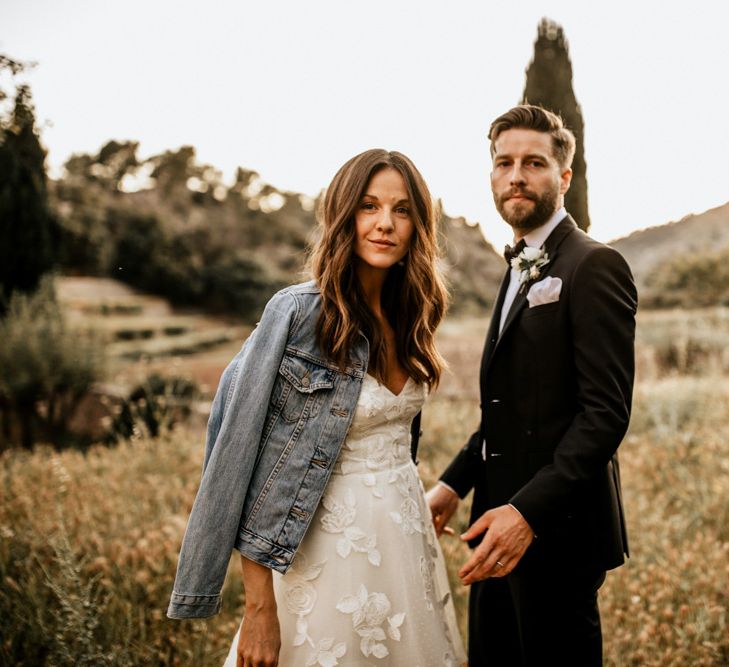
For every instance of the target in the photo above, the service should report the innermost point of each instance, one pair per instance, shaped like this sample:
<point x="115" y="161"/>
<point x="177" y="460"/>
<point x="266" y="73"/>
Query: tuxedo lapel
<point x="551" y="246"/>
<point x="516" y="306"/>
<point x="559" y="234"/>
<point x="493" y="332"/>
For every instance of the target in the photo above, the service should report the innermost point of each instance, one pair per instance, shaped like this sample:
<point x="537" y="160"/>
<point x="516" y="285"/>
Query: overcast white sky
<point x="292" y="89"/>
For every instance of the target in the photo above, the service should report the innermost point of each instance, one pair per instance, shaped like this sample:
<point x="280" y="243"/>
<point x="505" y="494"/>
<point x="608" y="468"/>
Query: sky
<point x="293" y="89"/>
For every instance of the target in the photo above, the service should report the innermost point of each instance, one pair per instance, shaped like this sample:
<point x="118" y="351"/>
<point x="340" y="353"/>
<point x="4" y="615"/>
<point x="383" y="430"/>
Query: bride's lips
<point x="382" y="243"/>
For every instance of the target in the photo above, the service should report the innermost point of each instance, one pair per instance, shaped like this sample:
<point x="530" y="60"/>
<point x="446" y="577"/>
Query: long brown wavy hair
<point x="414" y="297"/>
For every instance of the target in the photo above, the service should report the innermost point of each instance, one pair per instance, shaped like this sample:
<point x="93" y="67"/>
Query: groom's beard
<point x="524" y="217"/>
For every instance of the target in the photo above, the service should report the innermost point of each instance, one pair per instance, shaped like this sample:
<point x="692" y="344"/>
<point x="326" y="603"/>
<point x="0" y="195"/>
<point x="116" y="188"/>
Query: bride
<point x="309" y="468"/>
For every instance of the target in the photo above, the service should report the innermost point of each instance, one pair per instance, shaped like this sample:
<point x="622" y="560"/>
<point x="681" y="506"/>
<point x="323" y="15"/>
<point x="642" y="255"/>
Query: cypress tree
<point x="549" y="85"/>
<point x="27" y="226"/>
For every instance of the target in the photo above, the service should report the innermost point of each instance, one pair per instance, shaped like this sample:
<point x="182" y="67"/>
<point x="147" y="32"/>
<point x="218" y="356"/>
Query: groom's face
<point x="527" y="182"/>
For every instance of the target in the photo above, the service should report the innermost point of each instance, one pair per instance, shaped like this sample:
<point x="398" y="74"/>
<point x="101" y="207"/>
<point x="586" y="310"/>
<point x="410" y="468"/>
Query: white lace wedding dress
<point x="368" y="585"/>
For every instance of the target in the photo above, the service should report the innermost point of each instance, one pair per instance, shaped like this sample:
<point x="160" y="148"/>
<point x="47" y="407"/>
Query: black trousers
<point x="528" y="619"/>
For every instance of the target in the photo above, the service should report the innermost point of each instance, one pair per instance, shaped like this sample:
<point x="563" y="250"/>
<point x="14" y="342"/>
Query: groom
<point x="556" y="384"/>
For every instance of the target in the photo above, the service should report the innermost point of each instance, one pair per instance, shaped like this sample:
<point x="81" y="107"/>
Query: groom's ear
<point x="564" y="181"/>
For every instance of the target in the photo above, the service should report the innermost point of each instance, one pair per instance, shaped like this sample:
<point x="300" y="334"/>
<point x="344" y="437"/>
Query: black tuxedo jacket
<point x="556" y="390"/>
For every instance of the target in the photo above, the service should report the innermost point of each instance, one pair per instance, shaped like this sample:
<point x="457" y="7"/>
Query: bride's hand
<point x="443" y="502"/>
<point x="259" y="642"/>
<point x="260" y="639"/>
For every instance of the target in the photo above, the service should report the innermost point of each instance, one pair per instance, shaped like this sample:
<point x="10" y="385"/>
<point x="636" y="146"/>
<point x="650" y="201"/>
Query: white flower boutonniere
<point x="529" y="262"/>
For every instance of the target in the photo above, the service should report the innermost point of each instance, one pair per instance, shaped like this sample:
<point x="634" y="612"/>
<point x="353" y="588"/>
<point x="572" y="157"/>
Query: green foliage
<point x="80" y="606"/>
<point x="549" y="84"/>
<point x="27" y="227"/>
<point x="185" y="236"/>
<point x="154" y="407"/>
<point x="691" y="280"/>
<point x="45" y="369"/>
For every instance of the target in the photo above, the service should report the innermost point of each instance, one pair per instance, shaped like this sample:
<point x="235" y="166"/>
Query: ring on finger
<point x="499" y="563"/>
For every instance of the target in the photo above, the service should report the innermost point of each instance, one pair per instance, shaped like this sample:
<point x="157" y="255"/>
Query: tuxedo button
<point x="494" y="401"/>
<point x="493" y="455"/>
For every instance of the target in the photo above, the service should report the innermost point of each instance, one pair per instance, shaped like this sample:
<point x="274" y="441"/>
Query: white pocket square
<point x="545" y="291"/>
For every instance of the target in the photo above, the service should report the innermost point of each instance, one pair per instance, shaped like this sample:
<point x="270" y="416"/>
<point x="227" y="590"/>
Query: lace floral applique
<point x="300" y="598"/>
<point x="300" y="595"/>
<point x="408" y="518"/>
<point x="370" y="480"/>
<point x="369" y="612"/>
<point x="372" y="402"/>
<point x="403" y="482"/>
<point x="357" y="540"/>
<point x="326" y="653"/>
<point x="382" y="452"/>
<point x="339" y="519"/>
<point x="340" y="513"/>
<point x="427" y="578"/>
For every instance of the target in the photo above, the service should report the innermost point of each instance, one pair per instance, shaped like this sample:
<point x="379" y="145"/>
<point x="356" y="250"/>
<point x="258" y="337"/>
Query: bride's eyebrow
<point x="376" y="198"/>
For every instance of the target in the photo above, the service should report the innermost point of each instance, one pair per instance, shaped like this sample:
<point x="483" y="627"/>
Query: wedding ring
<point x="499" y="563"/>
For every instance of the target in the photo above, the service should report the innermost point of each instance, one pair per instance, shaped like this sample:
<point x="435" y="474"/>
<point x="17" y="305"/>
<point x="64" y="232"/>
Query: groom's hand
<point x="443" y="502"/>
<point x="508" y="536"/>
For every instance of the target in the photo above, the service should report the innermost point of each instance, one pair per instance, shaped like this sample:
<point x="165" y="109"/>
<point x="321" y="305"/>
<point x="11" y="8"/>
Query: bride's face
<point x="383" y="221"/>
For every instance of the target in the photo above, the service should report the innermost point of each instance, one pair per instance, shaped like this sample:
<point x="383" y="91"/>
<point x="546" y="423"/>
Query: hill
<point x="646" y="250"/>
<point x="473" y="268"/>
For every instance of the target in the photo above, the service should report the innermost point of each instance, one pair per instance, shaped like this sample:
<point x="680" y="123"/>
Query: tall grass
<point x="88" y="543"/>
<point x="88" y="552"/>
<point x="668" y="605"/>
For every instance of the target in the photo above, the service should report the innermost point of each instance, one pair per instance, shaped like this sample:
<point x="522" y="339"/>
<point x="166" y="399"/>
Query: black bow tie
<point x="510" y="253"/>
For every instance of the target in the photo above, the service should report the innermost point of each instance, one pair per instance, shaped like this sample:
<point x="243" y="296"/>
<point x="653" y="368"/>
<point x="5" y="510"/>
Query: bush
<point x="46" y="367"/>
<point x="690" y="281"/>
<point x="154" y="407"/>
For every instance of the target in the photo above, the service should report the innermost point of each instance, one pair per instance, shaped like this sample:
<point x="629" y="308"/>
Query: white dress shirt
<point x="534" y="239"/>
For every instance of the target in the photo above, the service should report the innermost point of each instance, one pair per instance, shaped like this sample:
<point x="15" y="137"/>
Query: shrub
<point x="691" y="281"/>
<point x="154" y="407"/>
<point x="45" y="369"/>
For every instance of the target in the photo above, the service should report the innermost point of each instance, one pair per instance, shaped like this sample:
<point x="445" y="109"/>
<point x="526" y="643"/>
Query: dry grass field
<point x="88" y="542"/>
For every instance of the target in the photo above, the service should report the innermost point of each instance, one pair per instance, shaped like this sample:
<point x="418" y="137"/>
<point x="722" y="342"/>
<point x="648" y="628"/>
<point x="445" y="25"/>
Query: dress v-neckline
<point x="389" y="391"/>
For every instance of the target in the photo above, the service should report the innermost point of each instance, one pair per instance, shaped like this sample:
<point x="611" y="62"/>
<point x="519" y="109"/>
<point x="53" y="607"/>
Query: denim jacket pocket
<point x="298" y="388"/>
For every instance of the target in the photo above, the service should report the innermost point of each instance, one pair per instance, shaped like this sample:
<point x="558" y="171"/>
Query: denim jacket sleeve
<point x="234" y="430"/>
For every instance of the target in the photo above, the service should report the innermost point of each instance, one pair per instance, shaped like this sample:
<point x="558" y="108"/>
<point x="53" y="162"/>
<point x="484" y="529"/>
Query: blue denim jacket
<point x="278" y="421"/>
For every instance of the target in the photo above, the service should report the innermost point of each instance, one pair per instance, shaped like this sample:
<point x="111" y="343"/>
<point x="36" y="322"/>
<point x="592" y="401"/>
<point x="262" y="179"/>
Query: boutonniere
<point x="529" y="262"/>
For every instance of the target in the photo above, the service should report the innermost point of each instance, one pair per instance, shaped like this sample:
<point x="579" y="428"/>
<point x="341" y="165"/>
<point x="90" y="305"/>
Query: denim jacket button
<point x="305" y="382"/>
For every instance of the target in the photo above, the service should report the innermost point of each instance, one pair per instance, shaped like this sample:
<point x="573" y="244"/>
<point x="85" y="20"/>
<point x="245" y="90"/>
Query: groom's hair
<point x="531" y="117"/>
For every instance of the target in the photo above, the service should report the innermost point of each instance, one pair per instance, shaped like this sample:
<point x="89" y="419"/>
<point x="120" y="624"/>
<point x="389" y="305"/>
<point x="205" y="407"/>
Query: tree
<point x="27" y="226"/>
<point x="549" y="84"/>
<point x="173" y="169"/>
